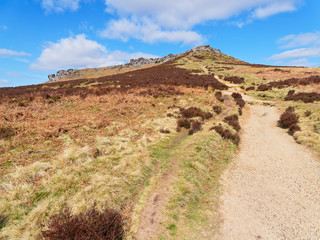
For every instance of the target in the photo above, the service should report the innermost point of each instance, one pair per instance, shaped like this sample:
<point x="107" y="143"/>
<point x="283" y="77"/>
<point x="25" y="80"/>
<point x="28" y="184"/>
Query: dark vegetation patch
<point x="6" y="132"/>
<point x="217" y="109"/>
<point x="195" y="112"/>
<point x="158" y="76"/>
<point x="290" y="120"/>
<point x="234" y="79"/>
<point x="184" y="123"/>
<point x="226" y="134"/>
<point x="302" y="96"/>
<point x="106" y="225"/>
<point x="281" y="70"/>
<point x="218" y="96"/>
<point x="3" y="220"/>
<point x="238" y="99"/>
<point x="233" y="121"/>
<point x="250" y="88"/>
<point x="255" y="65"/>
<point x="165" y="131"/>
<point x="196" y="127"/>
<point x="307" y="113"/>
<point x="290" y="82"/>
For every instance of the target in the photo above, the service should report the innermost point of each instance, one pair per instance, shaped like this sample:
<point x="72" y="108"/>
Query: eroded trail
<point x="272" y="189"/>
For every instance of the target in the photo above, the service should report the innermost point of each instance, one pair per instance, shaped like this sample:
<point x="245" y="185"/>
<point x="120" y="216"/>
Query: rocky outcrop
<point x="205" y="48"/>
<point x="60" y="74"/>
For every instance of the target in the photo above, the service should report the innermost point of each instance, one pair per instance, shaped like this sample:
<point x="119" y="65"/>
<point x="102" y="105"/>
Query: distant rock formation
<point x="60" y="74"/>
<point x="134" y="63"/>
<point x="205" y="48"/>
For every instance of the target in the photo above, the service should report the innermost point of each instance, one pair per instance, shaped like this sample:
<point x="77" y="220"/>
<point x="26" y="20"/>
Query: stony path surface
<point x="272" y="189"/>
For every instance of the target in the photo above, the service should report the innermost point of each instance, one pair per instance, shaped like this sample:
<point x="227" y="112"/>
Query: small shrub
<point x="307" y="113"/>
<point x="234" y="79"/>
<point x="226" y="134"/>
<point x="218" y="96"/>
<point x="217" y="109"/>
<point x="165" y="131"/>
<point x="250" y="88"/>
<point x="184" y="123"/>
<point x="294" y="128"/>
<point x="106" y="225"/>
<point x="195" y="112"/>
<point x="238" y="99"/>
<point x="196" y="127"/>
<point x="233" y="121"/>
<point x="289" y="119"/>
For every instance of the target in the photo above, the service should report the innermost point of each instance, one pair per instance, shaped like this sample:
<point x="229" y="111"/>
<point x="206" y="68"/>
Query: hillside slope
<point x="146" y="147"/>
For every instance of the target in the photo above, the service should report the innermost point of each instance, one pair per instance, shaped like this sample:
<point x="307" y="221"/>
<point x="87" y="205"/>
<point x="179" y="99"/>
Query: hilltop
<point x="147" y="150"/>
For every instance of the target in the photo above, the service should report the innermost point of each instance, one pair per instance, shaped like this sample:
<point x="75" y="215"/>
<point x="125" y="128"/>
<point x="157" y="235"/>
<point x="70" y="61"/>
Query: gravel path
<point x="272" y="190"/>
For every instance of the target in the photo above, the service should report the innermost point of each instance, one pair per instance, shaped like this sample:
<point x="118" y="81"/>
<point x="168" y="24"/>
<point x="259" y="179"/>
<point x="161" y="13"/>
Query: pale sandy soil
<point x="272" y="189"/>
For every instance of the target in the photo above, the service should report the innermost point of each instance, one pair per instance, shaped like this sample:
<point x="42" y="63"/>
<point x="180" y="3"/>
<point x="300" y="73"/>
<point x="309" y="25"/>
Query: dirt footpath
<point x="272" y="190"/>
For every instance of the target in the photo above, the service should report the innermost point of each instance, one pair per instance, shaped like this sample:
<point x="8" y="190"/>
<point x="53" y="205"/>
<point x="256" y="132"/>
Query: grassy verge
<point x="192" y="209"/>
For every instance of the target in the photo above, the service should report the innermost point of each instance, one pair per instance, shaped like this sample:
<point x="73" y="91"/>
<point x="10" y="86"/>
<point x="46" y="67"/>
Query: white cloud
<point x="60" y="5"/>
<point x="187" y="13"/>
<point x="4" y="82"/>
<point x="10" y="53"/>
<point x="300" y="40"/>
<point x="297" y="53"/>
<point x="274" y="8"/>
<point x="173" y="21"/>
<point x="303" y="62"/>
<point x="149" y="32"/>
<point x="13" y="74"/>
<point x="79" y="52"/>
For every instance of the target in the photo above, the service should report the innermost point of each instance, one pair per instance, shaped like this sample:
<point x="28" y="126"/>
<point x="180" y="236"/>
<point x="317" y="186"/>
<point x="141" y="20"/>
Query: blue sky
<point x="39" y="37"/>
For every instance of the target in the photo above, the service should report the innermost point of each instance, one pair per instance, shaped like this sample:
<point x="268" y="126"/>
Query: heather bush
<point x="184" y="123"/>
<point x="218" y="96"/>
<point x="238" y="99"/>
<point x="250" y="88"/>
<point x="226" y="134"/>
<point x="303" y="96"/>
<point x="195" y="112"/>
<point x="196" y="127"/>
<point x="105" y="225"/>
<point x="233" y="121"/>
<point x="307" y="113"/>
<point x="289" y="119"/>
<point x="235" y="79"/>
<point x="217" y="109"/>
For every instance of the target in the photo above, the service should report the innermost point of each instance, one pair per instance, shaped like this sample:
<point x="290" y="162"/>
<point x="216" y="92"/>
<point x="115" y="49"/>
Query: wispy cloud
<point x="80" y="52"/>
<point x="301" y="47"/>
<point x="4" y="82"/>
<point x="300" y="40"/>
<point x="13" y="74"/>
<point x="11" y="53"/>
<point x="59" y="6"/>
<point x="297" y="53"/>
